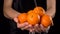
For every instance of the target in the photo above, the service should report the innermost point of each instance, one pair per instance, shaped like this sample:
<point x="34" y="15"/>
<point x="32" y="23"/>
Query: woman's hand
<point x="22" y="26"/>
<point x="44" y="29"/>
<point x="40" y="28"/>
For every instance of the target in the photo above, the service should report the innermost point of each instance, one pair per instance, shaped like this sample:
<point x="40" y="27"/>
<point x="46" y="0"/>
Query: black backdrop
<point x="4" y="25"/>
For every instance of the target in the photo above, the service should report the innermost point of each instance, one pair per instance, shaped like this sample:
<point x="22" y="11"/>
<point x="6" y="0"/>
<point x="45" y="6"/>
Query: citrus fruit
<point x="22" y="17"/>
<point x="32" y="18"/>
<point x="39" y="10"/>
<point x="45" y="20"/>
<point x="30" y="11"/>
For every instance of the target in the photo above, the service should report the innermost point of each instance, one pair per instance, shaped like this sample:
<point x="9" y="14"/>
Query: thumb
<point x="16" y="20"/>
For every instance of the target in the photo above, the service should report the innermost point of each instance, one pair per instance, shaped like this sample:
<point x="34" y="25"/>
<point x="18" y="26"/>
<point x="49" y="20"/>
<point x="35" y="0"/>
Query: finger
<point x="22" y="25"/>
<point x="47" y="29"/>
<point x="37" y="28"/>
<point x="16" y="20"/>
<point x="42" y="27"/>
<point x="51" y="21"/>
<point x="31" y="30"/>
<point x="27" y="27"/>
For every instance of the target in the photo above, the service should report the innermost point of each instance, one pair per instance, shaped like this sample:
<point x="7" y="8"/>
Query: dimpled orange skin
<point x="39" y="10"/>
<point x="45" y="20"/>
<point x="32" y="18"/>
<point x="22" y="17"/>
<point x="30" y="11"/>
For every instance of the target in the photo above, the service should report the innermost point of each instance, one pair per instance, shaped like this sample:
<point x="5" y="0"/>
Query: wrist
<point x="15" y="16"/>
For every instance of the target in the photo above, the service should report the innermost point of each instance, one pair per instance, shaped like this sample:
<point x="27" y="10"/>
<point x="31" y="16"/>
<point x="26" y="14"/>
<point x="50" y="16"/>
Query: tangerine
<point x="32" y="18"/>
<point x="22" y="17"/>
<point x="30" y="11"/>
<point x="45" y="20"/>
<point x="39" y="10"/>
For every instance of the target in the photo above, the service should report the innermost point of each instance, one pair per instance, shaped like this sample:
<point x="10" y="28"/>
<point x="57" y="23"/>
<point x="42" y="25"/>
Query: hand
<point x="22" y="26"/>
<point x="44" y="29"/>
<point x="37" y="28"/>
<point x="40" y="27"/>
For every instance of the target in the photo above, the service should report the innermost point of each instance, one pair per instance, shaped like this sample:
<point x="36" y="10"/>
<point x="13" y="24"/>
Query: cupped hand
<point x="41" y="28"/>
<point x="44" y="29"/>
<point x="24" y="26"/>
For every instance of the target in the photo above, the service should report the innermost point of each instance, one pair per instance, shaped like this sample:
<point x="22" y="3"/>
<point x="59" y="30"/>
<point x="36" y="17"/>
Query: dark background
<point x="4" y="25"/>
